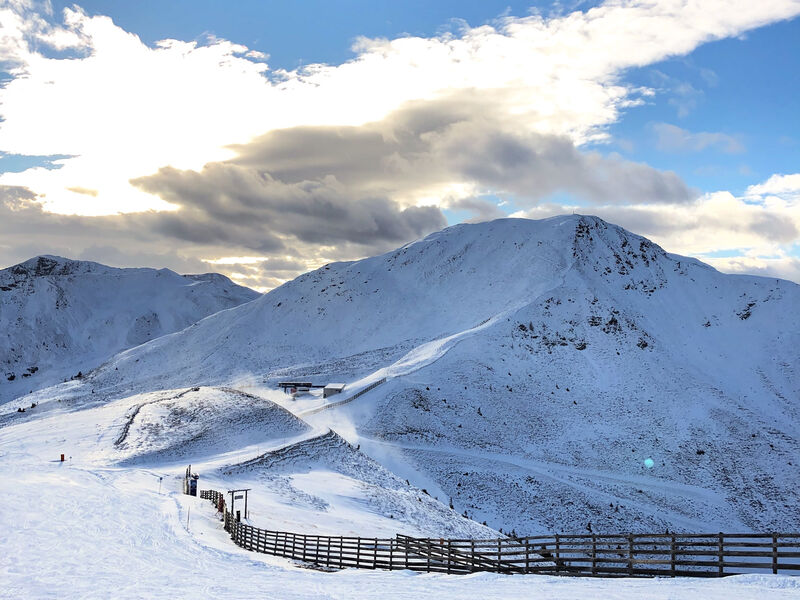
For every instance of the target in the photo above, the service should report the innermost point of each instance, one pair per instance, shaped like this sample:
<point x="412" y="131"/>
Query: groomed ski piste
<point x="111" y="519"/>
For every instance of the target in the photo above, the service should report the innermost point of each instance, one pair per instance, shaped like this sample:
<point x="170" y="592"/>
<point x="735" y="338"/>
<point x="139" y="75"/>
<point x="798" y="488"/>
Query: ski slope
<point x="92" y="527"/>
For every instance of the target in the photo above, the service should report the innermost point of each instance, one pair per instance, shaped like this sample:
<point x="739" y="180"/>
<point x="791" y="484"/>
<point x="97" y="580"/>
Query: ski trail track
<point x="416" y="359"/>
<point x="430" y="352"/>
<point x="558" y="473"/>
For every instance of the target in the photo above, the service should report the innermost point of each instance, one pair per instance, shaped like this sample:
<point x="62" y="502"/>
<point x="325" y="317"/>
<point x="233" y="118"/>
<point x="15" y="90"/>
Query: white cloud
<point x="757" y="233"/>
<point x="121" y="109"/>
<point x="783" y="267"/>
<point x="786" y="185"/>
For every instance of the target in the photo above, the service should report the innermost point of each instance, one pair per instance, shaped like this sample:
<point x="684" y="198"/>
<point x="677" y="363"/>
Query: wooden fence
<point x="664" y="554"/>
<point x="358" y="394"/>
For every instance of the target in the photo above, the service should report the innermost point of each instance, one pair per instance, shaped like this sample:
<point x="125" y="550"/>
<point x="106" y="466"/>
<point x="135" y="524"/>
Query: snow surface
<point x="532" y="368"/>
<point x="90" y="527"/>
<point x="60" y="316"/>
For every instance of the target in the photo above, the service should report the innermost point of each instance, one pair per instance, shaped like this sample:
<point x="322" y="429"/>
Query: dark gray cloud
<point x="456" y="139"/>
<point x="228" y="202"/>
<point x="533" y="167"/>
<point x="183" y="241"/>
<point x="480" y="208"/>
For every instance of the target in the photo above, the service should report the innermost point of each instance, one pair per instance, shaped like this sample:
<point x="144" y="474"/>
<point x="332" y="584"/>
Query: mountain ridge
<point x="62" y="316"/>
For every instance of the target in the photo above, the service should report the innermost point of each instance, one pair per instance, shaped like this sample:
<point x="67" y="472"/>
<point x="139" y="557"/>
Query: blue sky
<point x="298" y="33"/>
<point x="742" y="87"/>
<point x="678" y="120"/>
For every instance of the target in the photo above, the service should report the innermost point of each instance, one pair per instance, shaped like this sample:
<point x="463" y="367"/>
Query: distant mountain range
<point x="59" y="317"/>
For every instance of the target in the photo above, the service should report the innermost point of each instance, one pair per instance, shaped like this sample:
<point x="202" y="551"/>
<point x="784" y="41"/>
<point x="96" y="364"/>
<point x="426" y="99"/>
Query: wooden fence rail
<point x="358" y="394"/>
<point x="621" y="555"/>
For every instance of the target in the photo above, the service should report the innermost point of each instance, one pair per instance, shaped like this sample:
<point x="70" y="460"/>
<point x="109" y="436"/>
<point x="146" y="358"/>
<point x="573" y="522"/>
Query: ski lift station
<point x="296" y="388"/>
<point x="332" y="389"/>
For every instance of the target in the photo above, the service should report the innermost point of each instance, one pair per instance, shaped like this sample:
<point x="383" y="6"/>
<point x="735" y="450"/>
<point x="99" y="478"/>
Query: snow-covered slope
<point x="59" y="317"/>
<point x="301" y="479"/>
<point x="533" y="367"/>
<point x="365" y="313"/>
<point x="197" y="423"/>
<point x="90" y="524"/>
<point x="323" y="485"/>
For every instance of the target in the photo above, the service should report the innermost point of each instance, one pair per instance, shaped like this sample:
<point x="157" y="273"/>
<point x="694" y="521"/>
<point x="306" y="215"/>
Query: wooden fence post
<point x="594" y="554"/>
<point x="721" y="555"/>
<point x="672" y="555"/>
<point x="375" y="555"/>
<point x="527" y="555"/>
<point x="472" y="561"/>
<point x="449" y="556"/>
<point x="499" y="554"/>
<point x="630" y="554"/>
<point x="558" y="554"/>
<point x="428" y="555"/>
<point x="774" y="553"/>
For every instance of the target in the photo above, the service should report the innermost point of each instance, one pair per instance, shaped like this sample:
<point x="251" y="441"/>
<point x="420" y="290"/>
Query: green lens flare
<point x="648" y="462"/>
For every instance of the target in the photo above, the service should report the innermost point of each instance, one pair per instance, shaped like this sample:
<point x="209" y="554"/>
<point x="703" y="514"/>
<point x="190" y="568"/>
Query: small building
<point x="292" y="387"/>
<point x="332" y="389"/>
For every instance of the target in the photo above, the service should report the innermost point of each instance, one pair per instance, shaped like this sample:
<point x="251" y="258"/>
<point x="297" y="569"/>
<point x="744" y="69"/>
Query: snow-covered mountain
<point x="554" y="375"/>
<point x="59" y="317"/>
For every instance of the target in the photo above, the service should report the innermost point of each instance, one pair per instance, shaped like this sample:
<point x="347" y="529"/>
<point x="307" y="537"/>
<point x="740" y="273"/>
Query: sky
<point x="262" y="139"/>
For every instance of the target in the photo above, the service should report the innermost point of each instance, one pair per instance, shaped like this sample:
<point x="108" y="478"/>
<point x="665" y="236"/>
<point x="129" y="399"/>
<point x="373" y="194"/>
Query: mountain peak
<point x="40" y="266"/>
